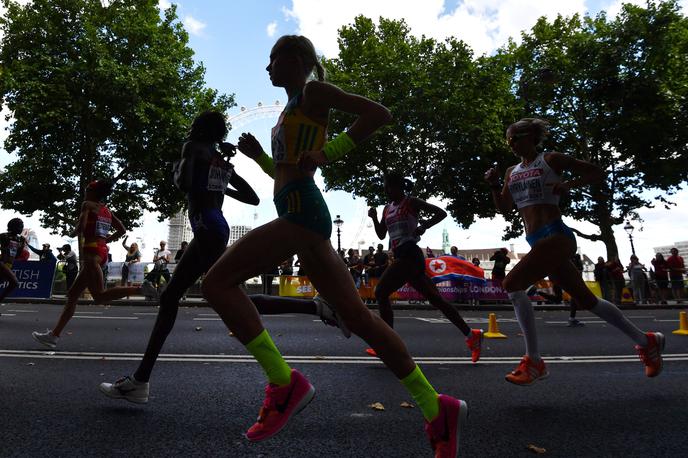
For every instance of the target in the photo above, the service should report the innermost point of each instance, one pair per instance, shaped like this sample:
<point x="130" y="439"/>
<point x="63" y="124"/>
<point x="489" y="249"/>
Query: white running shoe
<point x="126" y="388"/>
<point x="148" y="290"/>
<point x="46" y="338"/>
<point x="328" y="314"/>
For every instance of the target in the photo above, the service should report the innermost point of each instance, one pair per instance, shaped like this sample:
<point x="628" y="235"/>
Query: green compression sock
<point x="423" y="393"/>
<point x="268" y="356"/>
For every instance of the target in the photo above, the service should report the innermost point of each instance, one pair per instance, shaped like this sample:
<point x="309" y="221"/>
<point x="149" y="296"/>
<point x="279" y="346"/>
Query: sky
<point x="233" y="39"/>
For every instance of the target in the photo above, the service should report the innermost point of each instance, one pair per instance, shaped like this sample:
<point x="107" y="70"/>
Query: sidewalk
<point x="399" y="305"/>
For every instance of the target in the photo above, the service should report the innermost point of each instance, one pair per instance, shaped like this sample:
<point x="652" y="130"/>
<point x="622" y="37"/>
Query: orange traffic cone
<point x="493" y="328"/>
<point x="683" y="325"/>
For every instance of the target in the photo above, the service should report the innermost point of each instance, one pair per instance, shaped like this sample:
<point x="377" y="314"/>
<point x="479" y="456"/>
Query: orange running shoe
<point x="371" y="352"/>
<point x="281" y="403"/>
<point x="527" y="372"/>
<point x="444" y="431"/>
<point x="475" y="342"/>
<point x="652" y="354"/>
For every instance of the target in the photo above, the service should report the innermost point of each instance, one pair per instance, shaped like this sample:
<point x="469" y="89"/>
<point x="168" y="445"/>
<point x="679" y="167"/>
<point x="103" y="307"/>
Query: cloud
<point x="193" y="25"/>
<point x="164" y="4"/>
<point x="271" y="29"/>
<point x="483" y="24"/>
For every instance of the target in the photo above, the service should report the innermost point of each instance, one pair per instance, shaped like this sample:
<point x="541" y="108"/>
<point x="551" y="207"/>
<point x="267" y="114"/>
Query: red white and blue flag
<point x="445" y="268"/>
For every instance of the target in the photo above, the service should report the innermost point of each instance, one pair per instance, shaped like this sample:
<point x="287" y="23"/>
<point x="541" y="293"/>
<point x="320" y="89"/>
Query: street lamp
<point x="338" y="222"/>
<point x="629" y="230"/>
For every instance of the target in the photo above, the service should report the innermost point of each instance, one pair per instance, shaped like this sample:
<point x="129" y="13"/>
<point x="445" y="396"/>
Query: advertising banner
<point x="135" y="271"/>
<point x="35" y="279"/>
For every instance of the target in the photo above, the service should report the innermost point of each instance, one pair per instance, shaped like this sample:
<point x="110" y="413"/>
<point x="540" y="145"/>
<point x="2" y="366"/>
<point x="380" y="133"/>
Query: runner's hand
<point x="249" y="146"/>
<point x="372" y="212"/>
<point x="492" y="176"/>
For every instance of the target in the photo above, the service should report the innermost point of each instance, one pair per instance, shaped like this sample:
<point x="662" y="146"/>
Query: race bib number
<point x="526" y="186"/>
<point x="13" y="248"/>
<point x="279" y="143"/>
<point x="219" y="174"/>
<point x="102" y="227"/>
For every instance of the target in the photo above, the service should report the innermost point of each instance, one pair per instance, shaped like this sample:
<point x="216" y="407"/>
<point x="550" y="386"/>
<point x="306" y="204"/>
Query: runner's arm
<point x="120" y="230"/>
<point x="85" y="208"/>
<point x="587" y="173"/>
<point x="380" y="226"/>
<point x="437" y="214"/>
<point x="243" y="192"/>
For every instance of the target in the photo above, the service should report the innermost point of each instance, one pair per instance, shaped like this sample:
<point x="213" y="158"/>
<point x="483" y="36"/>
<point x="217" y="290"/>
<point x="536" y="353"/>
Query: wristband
<point x="338" y="147"/>
<point x="265" y="163"/>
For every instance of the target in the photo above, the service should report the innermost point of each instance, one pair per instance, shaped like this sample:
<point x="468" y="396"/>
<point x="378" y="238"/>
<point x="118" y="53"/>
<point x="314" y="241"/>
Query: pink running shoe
<point x="475" y="342"/>
<point x="281" y="403"/>
<point x="444" y="431"/>
<point x="652" y="354"/>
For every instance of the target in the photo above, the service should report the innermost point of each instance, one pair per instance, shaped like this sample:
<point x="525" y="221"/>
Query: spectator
<point x="46" y="254"/>
<point x="369" y="265"/>
<point x="106" y="270"/>
<point x="429" y="253"/>
<point x="661" y="277"/>
<point x="501" y="260"/>
<point x="382" y="260"/>
<point x="355" y="266"/>
<point x="676" y="270"/>
<point x="602" y="277"/>
<point x="180" y="252"/>
<point x="132" y="257"/>
<point x="71" y="265"/>
<point x="160" y="270"/>
<point x="616" y="271"/>
<point x="455" y="252"/>
<point x="476" y="262"/>
<point x="636" y="273"/>
<point x="286" y="268"/>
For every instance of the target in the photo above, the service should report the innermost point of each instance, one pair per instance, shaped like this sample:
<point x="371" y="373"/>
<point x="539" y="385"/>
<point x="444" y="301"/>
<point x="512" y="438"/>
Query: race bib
<point x="13" y="248"/>
<point x="219" y="173"/>
<point x="103" y="227"/>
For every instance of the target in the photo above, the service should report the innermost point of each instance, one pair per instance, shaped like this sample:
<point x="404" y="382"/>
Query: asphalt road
<point x="206" y="391"/>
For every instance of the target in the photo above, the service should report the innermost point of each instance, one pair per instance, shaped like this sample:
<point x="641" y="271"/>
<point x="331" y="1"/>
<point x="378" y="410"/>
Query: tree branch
<point x="591" y="237"/>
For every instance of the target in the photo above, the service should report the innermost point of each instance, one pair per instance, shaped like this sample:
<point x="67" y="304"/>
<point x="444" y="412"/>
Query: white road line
<point x="23" y="311"/>
<point x="207" y="319"/>
<point x="32" y="354"/>
<point x="108" y="317"/>
<point x="89" y="313"/>
<point x="667" y="321"/>
<point x="9" y="314"/>
<point x="582" y="321"/>
<point x="146" y="313"/>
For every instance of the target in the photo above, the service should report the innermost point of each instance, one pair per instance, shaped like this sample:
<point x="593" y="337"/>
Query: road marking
<point x="667" y="321"/>
<point x="582" y="321"/>
<point x="468" y="320"/>
<point x="108" y="317"/>
<point x="23" y="311"/>
<point x="430" y="360"/>
<point x="89" y="313"/>
<point x="146" y="313"/>
<point x="9" y="314"/>
<point x="207" y="319"/>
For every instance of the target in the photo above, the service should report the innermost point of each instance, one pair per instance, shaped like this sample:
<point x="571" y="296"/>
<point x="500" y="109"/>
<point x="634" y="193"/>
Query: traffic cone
<point x="683" y="325"/>
<point x="493" y="328"/>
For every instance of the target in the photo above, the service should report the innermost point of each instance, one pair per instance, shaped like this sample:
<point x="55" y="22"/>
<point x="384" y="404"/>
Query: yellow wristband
<point x="265" y="163"/>
<point x="338" y="147"/>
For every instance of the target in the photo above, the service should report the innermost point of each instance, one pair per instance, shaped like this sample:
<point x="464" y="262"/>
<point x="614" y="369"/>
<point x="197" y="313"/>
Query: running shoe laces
<point x="527" y="372"/>
<point x="651" y="355"/>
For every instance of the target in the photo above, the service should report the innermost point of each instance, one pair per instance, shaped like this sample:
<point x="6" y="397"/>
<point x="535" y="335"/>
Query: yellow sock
<point x="423" y="393"/>
<point x="268" y="356"/>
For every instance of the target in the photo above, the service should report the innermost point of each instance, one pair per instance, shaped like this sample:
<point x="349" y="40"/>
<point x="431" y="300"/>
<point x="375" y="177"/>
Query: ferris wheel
<point x="260" y="111"/>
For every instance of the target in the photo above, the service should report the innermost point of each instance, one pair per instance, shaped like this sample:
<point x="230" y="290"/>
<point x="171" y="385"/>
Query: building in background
<point x="179" y="231"/>
<point x="682" y="248"/>
<point x="236" y="232"/>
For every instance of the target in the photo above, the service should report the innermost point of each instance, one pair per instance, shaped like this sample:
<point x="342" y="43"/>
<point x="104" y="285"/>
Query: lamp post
<point x="338" y="222"/>
<point x="629" y="230"/>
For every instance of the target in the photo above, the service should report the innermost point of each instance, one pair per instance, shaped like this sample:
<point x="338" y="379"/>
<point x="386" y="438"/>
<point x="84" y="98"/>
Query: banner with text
<point x="35" y="279"/>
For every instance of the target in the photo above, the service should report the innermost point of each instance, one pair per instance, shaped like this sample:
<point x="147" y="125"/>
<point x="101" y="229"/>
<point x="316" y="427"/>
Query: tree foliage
<point x="449" y="113"/>
<point x="96" y="92"/>
<point x="613" y="90"/>
<point x="616" y="94"/>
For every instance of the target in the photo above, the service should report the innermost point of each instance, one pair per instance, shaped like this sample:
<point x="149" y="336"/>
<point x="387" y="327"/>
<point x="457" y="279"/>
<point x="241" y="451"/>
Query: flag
<point x="445" y="268"/>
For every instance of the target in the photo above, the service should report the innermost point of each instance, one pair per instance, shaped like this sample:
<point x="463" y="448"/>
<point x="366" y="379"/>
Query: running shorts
<point x="548" y="230"/>
<point x="412" y="253"/>
<point x="98" y="249"/>
<point x="301" y="202"/>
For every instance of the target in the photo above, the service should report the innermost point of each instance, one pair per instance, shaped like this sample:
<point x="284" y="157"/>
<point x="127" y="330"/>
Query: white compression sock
<point x="612" y="315"/>
<point x="526" y="319"/>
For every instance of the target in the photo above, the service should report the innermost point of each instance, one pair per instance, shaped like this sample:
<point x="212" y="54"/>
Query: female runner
<point x="535" y="186"/>
<point x="304" y="228"/>
<point x="94" y="225"/>
<point x="401" y="218"/>
<point x="11" y="244"/>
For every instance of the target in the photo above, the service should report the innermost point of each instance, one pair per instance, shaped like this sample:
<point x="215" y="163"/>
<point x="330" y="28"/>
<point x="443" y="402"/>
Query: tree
<point x="449" y="114"/>
<point x="96" y="92"/>
<point x="615" y="93"/>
